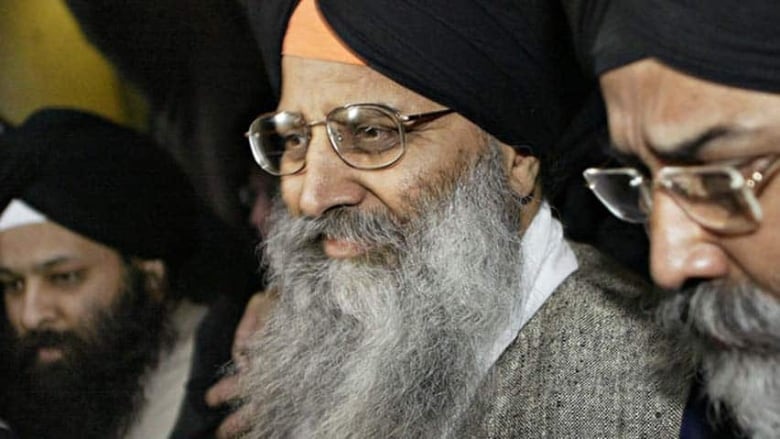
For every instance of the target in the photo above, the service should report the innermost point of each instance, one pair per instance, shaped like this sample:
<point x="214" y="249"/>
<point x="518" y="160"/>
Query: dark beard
<point x="95" y="390"/>
<point x="734" y="330"/>
<point x="392" y="344"/>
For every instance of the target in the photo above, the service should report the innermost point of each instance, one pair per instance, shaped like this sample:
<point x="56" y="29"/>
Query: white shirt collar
<point x="547" y="261"/>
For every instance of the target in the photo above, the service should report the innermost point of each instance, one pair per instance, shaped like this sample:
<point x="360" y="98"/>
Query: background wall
<point x="198" y="80"/>
<point x="45" y="60"/>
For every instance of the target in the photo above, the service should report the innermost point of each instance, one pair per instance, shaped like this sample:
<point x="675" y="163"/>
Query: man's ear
<point x="523" y="170"/>
<point x="523" y="173"/>
<point x="155" y="277"/>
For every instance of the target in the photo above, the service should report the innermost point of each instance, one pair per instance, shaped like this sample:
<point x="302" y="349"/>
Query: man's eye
<point x="67" y="278"/>
<point x="11" y="286"/>
<point x="295" y="146"/>
<point x="293" y="141"/>
<point x="373" y="132"/>
<point x="374" y="138"/>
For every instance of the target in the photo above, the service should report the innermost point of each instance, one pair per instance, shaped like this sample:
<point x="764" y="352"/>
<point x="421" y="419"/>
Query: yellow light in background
<point x="46" y="61"/>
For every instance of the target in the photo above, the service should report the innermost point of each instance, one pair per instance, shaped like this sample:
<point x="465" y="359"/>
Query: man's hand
<point x="226" y="390"/>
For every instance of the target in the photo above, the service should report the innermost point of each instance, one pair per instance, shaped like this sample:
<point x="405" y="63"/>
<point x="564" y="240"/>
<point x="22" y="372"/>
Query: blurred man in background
<point x="101" y="244"/>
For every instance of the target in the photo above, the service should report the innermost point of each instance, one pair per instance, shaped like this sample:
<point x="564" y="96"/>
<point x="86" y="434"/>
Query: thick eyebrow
<point x="687" y="151"/>
<point x="40" y="267"/>
<point x="614" y="157"/>
<point x="4" y="272"/>
<point x="623" y="158"/>
<point x="51" y="263"/>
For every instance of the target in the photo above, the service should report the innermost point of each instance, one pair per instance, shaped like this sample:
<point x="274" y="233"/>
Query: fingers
<point x="223" y="392"/>
<point x="234" y="425"/>
<point x="226" y="390"/>
<point x="255" y="314"/>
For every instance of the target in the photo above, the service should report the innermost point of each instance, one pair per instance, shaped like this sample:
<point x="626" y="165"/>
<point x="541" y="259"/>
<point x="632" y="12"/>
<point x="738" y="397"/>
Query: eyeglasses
<point x="365" y="136"/>
<point x="721" y="198"/>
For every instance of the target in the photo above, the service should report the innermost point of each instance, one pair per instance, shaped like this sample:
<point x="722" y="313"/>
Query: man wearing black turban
<point x="101" y="239"/>
<point x="693" y="97"/>
<point x="425" y="289"/>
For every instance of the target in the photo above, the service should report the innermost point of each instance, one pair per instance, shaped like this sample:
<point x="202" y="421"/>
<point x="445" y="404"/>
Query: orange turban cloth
<point x="310" y="36"/>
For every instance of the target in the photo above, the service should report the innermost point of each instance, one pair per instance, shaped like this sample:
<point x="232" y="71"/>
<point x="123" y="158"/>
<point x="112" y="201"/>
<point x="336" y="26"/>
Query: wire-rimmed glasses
<point x="365" y="136"/>
<point x="721" y="197"/>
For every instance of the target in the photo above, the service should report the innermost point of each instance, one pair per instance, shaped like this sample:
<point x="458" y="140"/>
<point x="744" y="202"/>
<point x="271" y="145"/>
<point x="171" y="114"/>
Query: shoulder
<point x="602" y="298"/>
<point x="602" y="315"/>
<point x="590" y="363"/>
<point x="598" y="271"/>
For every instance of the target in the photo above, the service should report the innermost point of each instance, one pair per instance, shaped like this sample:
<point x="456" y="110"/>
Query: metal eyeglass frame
<point x="402" y="121"/>
<point x="743" y="188"/>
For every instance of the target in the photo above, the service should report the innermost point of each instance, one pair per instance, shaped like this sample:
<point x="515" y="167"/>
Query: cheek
<point x="395" y="194"/>
<point x="758" y="257"/>
<point x="759" y="253"/>
<point x="13" y="311"/>
<point x="77" y="308"/>
<point x="80" y="314"/>
<point x="259" y="215"/>
<point x="290" y="190"/>
<point x="99" y="294"/>
<point x="406" y="194"/>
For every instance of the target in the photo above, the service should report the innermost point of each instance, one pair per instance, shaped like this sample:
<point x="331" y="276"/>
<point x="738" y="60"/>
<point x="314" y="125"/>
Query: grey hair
<point x="734" y="329"/>
<point x="391" y="345"/>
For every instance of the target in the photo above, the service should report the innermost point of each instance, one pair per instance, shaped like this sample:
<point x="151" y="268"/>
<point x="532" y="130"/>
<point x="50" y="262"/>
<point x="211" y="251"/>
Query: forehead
<point x="662" y="114"/>
<point x="37" y="243"/>
<point x="323" y="85"/>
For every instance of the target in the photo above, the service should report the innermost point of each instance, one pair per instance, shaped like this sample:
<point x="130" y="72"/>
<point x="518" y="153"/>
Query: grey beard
<point x="734" y="329"/>
<point x="392" y="344"/>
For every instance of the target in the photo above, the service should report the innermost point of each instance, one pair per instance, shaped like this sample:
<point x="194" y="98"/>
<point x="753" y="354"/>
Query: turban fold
<point x="308" y="35"/>
<point x="735" y="43"/>
<point x="117" y="187"/>
<point x="102" y="181"/>
<point x="507" y="66"/>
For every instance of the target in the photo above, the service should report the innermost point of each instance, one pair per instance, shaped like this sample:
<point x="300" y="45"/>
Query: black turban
<point x="116" y="187"/>
<point x="507" y="66"/>
<point x="102" y="181"/>
<point x="735" y="43"/>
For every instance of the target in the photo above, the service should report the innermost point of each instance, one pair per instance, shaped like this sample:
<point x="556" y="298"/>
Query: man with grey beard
<point x="693" y="97"/>
<point x="416" y="318"/>
<point x="425" y="289"/>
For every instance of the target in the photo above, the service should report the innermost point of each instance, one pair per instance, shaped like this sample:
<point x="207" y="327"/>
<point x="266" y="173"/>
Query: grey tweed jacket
<point x="589" y="364"/>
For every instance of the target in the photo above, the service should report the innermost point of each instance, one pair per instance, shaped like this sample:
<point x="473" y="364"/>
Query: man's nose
<point x="681" y="249"/>
<point x="38" y="308"/>
<point x="327" y="181"/>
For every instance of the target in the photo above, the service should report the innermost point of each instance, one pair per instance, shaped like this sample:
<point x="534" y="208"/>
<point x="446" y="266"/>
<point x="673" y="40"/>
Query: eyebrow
<point x="52" y="263"/>
<point x="625" y="159"/>
<point x="39" y="267"/>
<point x="687" y="151"/>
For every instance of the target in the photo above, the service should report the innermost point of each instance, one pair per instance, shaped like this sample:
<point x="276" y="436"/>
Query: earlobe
<point x="523" y="172"/>
<point x="155" y="275"/>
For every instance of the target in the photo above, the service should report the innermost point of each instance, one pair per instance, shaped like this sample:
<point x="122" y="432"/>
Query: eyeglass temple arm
<point x="416" y="119"/>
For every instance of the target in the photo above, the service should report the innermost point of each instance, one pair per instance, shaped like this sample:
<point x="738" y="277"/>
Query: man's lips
<point x="342" y="249"/>
<point x="49" y="354"/>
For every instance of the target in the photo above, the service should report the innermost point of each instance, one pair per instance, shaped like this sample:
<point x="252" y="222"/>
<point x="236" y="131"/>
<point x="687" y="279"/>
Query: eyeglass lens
<point x="364" y="136"/>
<point x="279" y="142"/>
<point x="620" y="192"/>
<point x="715" y="198"/>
